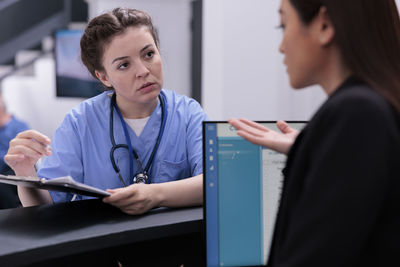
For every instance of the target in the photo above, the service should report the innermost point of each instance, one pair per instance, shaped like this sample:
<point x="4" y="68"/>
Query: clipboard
<point x="63" y="184"/>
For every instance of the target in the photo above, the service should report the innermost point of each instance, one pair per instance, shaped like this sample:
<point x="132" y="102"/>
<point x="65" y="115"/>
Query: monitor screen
<point x="242" y="185"/>
<point x="72" y="77"/>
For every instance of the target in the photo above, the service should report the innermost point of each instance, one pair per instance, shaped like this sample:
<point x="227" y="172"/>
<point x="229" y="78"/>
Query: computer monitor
<point x="242" y="187"/>
<point x="72" y="77"/>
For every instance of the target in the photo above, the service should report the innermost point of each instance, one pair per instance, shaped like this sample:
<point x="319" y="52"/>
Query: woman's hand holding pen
<point x="25" y="150"/>
<point x="134" y="199"/>
<point x="260" y="135"/>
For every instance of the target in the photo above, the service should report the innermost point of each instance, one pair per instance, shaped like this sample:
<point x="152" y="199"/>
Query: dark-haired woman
<point x="341" y="197"/>
<point x="141" y="142"/>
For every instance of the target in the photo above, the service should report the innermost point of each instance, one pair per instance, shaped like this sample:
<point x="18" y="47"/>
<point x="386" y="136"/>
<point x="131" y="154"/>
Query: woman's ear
<point x="325" y="29"/>
<point x="102" y="76"/>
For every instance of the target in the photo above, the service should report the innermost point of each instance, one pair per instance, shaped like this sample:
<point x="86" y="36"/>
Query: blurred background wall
<point x="243" y="71"/>
<point x="224" y="53"/>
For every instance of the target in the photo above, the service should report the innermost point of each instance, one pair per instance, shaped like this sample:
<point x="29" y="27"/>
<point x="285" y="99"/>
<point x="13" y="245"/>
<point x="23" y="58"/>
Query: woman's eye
<point x="123" y="66"/>
<point x="281" y="26"/>
<point x="149" y="54"/>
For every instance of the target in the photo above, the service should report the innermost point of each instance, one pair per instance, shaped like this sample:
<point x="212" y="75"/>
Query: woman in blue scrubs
<point x="140" y="142"/>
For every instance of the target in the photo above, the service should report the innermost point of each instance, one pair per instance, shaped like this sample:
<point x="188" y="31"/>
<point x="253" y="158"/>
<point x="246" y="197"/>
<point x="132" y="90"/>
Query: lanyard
<point x="142" y="176"/>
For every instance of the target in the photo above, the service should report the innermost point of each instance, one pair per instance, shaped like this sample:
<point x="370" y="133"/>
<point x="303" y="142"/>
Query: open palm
<point x="260" y="135"/>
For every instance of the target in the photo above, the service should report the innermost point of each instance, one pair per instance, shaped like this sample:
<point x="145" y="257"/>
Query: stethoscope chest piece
<point x="140" y="178"/>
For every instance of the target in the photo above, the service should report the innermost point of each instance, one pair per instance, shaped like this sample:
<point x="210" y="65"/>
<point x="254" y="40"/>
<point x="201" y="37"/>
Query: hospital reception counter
<point x="40" y="234"/>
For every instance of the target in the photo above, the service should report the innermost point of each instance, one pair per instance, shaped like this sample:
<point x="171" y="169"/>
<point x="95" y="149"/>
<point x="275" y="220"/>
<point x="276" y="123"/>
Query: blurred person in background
<point x="10" y="126"/>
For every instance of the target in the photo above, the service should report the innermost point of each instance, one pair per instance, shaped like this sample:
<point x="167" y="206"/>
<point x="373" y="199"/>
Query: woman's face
<point x="303" y="53"/>
<point x="133" y="66"/>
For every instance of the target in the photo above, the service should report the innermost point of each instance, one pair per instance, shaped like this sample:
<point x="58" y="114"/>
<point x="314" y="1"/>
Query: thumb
<point x="112" y="191"/>
<point x="284" y="127"/>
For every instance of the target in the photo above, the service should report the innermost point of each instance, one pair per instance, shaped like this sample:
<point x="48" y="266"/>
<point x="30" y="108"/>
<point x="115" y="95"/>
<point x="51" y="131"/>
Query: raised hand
<point x="25" y="150"/>
<point x="260" y="135"/>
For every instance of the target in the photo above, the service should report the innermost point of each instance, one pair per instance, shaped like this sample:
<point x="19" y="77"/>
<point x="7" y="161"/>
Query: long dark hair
<point x="367" y="33"/>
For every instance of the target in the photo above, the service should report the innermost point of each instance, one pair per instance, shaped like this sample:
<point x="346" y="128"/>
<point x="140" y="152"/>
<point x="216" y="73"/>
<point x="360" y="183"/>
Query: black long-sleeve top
<point x="340" y="202"/>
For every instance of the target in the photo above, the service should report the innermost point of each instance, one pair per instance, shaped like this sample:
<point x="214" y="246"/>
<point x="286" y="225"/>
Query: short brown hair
<point x="101" y="29"/>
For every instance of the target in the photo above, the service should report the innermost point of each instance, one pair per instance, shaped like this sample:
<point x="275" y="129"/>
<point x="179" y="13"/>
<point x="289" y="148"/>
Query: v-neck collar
<point x="149" y="134"/>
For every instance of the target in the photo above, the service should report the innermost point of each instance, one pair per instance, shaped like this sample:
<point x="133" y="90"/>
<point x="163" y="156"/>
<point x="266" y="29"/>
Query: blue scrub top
<point x="81" y="144"/>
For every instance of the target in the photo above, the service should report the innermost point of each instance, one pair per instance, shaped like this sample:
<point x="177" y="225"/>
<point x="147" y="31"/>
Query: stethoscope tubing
<point x="132" y="152"/>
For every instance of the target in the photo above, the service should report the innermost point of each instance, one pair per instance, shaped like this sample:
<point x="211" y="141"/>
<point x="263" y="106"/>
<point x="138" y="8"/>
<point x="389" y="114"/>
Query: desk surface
<point x="46" y="232"/>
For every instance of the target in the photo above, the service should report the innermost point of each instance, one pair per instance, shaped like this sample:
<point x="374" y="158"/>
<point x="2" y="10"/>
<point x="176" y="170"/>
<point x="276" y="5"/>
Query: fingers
<point x="260" y="135"/>
<point x="235" y="123"/>
<point x="249" y="127"/>
<point x="284" y="127"/>
<point x="245" y="124"/>
<point x="29" y="148"/>
<point x="26" y="148"/>
<point x="32" y="134"/>
<point x="254" y="125"/>
<point x="120" y="195"/>
<point x="134" y="199"/>
<point x="258" y="140"/>
<point x="31" y="144"/>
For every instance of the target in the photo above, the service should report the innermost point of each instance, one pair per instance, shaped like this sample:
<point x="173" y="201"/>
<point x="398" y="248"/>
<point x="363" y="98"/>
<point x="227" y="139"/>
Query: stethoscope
<point x="142" y="175"/>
